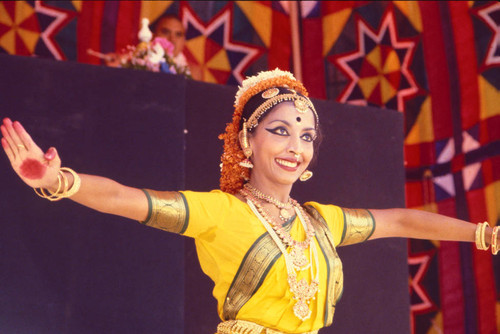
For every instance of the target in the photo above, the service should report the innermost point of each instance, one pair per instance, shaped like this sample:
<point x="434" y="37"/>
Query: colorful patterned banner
<point x="436" y="61"/>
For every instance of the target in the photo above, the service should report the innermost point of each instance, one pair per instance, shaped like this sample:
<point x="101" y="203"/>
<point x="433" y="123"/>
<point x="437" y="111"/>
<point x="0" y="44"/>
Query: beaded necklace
<point x="297" y="248"/>
<point x="302" y="291"/>
<point x="284" y="207"/>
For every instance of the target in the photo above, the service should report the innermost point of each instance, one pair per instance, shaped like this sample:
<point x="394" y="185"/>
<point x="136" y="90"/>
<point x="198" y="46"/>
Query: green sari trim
<point x="253" y="270"/>
<point x="335" y="276"/>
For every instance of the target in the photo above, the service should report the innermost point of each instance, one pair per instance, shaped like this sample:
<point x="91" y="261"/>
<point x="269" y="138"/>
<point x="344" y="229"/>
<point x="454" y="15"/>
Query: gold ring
<point x="21" y="146"/>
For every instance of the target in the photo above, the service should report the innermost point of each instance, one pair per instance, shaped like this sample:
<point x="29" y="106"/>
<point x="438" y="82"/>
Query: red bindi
<point x="32" y="169"/>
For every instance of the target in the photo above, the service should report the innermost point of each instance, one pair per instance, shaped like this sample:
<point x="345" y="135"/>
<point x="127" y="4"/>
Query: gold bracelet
<point x="63" y="181"/>
<point x="65" y="185"/>
<point x="494" y="241"/>
<point x="478" y="236"/>
<point x="77" y="182"/>
<point x="52" y="197"/>
<point x="483" y="236"/>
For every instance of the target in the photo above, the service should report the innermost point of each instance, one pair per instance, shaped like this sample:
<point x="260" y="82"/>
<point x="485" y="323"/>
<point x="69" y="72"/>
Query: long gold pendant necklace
<point x="302" y="291"/>
<point x="297" y="248"/>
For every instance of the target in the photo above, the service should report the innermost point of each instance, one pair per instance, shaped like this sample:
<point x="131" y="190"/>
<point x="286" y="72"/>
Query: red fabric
<point x="280" y="48"/>
<point x="466" y="59"/>
<point x="313" y="66"/>
<point x="89" y="31"/>
<point x="437" y="69"/>
<point x="127" y="24"/>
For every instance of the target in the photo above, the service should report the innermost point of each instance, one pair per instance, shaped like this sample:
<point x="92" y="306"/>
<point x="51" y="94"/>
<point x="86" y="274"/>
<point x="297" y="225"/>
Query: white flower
<point x="156" y="54"/>
<point x="261" y="76"/>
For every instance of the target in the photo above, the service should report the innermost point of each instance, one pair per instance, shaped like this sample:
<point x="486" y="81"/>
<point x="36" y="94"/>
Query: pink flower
<point x="168" y="46"/>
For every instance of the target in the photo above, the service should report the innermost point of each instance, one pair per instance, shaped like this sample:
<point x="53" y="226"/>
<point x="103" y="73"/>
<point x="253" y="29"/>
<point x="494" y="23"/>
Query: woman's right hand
<point x="36" y="168"/>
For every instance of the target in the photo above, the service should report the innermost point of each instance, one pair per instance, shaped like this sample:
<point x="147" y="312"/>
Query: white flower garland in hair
<point x="254" y="80"/>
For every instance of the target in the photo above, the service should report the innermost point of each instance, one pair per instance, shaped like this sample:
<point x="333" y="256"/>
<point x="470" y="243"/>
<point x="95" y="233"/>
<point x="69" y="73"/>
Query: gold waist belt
<point x="247" y="327"/>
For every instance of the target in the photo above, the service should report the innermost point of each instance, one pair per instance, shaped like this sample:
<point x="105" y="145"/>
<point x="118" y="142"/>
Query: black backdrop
<point x="66" y="269"/>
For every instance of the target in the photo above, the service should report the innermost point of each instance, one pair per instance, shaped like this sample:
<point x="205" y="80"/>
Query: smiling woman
<point x="273" y="261"/>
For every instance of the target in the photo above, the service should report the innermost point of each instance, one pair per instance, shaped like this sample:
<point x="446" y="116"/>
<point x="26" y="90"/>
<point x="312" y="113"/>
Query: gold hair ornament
<point x="302" y="104"/>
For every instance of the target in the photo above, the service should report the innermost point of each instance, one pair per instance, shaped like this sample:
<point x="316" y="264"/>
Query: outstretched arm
<point x="416" y="224"/>
<point x="40" y="170"/>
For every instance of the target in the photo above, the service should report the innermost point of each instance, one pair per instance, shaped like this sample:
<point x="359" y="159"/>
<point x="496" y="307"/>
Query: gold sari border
<point x="247" y="327"/>
<point x="335" y="276"/>
<point x="253" y="269"/>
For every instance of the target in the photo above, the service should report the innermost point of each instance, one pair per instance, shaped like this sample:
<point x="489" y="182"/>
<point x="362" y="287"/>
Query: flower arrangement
<point x="155" y="55"/>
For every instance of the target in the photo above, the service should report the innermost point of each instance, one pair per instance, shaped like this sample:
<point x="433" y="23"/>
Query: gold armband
<point x="167" y="211"/>
<point x="359" y="225"/>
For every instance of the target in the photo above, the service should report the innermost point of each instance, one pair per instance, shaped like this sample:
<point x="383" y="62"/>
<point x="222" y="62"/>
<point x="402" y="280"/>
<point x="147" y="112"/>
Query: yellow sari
<point x="249" y="271"/>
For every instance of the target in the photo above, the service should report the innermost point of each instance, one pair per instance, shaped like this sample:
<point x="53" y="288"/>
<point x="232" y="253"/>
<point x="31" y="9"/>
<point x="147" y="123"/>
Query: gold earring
<point x="247" y="151"/>
<point x="306" y="175"/>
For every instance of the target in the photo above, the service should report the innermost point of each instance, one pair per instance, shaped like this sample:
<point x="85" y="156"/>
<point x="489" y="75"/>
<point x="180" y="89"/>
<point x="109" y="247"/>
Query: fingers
<point x="10" y="134"/>
<point x="50" y="154"/>
<point x="7" y="139"/>
<point x="7" y="149"/>
<point x="23" y="135"/>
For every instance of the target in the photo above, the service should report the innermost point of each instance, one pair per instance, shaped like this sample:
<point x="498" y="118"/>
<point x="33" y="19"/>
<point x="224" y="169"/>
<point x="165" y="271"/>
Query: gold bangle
<point x="494" y="241"/>
<point x="478" y="236"/>
<point x="53" y="196"/>
<point x="483" y="236"/>
<point x="63" y="181"/>
<point x="65" y="185"/>
<point x="482" y="240"/>
<point x="77" y="182"/>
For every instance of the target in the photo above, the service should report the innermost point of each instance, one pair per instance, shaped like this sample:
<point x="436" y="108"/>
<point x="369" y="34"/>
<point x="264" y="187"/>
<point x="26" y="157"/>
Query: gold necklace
<point x="302" y="291"/>
<point x="283" y="207"/>
<point x="297" y="248"/>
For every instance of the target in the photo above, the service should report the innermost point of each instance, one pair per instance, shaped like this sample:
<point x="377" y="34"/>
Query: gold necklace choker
<point x="283" y="207"/>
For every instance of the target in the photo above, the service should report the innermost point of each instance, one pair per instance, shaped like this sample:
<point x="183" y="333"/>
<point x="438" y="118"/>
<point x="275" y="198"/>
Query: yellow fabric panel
<point x="196" y="46"/>
<point x="8" y="42"/>
<point x="333" y="25"/>
<point x="260" y="16"/>
<point x="411" y="11"/>
<point x="368" y="84"/>
<point x="387" y="91"/>
<point x="153" y="9"/>
<point x="422" y="131"/>
<point x="30" y="38"/>
<point x="77" y="4"/>
<point x="489" y="97"/>
<point x="219" y="61"/>
<point x="224" y="229"/>
<point x="492" y="192"/>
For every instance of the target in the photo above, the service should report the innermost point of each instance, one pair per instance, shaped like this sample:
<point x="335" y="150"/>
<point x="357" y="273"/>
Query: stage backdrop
<point x="67" y="269"/>
<point x="437" y="62"/>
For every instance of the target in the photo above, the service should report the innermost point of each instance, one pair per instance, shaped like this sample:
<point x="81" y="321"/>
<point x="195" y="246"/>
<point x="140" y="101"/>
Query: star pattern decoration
<point x="378" y="70"/>
<point x="419" y="298"/>
<point x="27" y="29"/>
<point x="210" y="48"/>
<point x="491" y="16"/>
<point x="19" y="28"/>
<point x="52" y="20"/>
